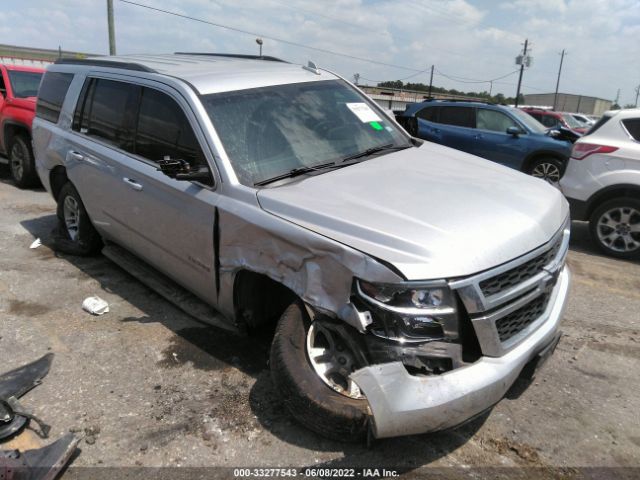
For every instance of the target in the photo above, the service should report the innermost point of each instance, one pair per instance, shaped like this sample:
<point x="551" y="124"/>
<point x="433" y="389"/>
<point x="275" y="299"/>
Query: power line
<point x="275" y="39"/>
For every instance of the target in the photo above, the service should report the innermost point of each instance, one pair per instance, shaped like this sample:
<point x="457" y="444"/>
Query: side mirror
<point x="515" y="131"/>
<point x="181" y="170"/>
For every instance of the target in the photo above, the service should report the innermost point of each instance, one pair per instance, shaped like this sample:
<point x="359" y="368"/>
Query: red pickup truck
<point x="18" y="91"/>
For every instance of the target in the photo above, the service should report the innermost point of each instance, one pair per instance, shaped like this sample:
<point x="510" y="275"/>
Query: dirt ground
<point x="147" y="386"/>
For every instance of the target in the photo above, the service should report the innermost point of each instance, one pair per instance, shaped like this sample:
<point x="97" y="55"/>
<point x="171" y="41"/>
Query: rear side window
<point x="458" y="116"/>
<point x="105" y="112"/>
<point x="164" y="131"/>
<point x="549" y="121"/>
<point x="51" y="95"/>
<point x="430" y="114"/>
<point x="633" y="127"/>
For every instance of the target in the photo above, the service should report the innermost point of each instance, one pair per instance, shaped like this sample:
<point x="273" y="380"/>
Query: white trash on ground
<point x="95" y="305"/>
<point x="36" y="243"/>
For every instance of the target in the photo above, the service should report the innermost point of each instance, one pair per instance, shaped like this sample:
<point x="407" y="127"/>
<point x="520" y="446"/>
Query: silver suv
<point x="411" y="283"/>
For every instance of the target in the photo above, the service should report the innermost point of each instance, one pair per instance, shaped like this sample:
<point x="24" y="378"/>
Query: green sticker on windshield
<point x="375" y="125"/>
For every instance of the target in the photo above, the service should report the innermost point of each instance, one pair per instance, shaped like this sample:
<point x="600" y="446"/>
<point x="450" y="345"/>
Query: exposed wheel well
<point x="526" y="165"/>
<point x="11" y="130"/>
<point x="632" y="191"/>
<point x="259" y="300"/>
<point x="57" y="178"/>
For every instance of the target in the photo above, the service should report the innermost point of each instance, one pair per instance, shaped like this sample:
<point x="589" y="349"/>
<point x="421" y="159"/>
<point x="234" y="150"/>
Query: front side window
<point x="106" y="112"/>
<point x="25" y="84"/>
<point x="270" y="131"/>
<point x="164" y="131"/>
<point x="494" y="121"/>
<point x="458" y="116"/>
<point x="549" y="121"/>
<point x="51" y="95"/>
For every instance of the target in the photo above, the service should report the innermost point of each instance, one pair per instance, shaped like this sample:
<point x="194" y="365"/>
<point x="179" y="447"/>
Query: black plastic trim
<point x="234" y="55"/>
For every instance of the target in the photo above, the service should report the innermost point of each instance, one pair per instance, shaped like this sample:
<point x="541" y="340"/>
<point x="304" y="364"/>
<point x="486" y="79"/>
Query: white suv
<point x="602" y="182"/>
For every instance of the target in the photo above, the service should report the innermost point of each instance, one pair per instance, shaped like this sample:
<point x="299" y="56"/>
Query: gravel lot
<point x="145" y="385"/>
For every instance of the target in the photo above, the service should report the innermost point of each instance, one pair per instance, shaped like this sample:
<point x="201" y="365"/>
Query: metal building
<point x="568" y="102"/>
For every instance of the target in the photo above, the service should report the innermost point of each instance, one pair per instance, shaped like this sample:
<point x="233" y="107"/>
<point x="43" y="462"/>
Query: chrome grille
<point x="506" y="300"/>
<point x="519" y="274"/>
<point x="516" y="321"/>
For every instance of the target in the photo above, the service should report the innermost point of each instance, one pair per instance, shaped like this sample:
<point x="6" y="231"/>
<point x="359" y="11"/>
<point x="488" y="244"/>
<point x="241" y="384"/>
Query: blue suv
<point x="498" y="133"/>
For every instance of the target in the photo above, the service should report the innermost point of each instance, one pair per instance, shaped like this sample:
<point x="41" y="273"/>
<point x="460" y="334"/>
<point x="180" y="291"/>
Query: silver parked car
<point x="411" y="283"/>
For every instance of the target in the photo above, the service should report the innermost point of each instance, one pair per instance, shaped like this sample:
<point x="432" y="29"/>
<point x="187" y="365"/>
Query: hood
<point x="432" y="212"/>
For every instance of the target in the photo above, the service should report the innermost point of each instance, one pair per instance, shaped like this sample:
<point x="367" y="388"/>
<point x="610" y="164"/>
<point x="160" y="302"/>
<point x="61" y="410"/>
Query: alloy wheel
<point x="71" y="214"/>
<point x="17" y="159"/>
<point x="332" y="360"/>
<point x="619" y="229"/>
<point x="548" y="172"/>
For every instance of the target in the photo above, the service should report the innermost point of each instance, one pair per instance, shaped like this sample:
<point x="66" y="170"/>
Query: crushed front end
<point x="442" y="352"/>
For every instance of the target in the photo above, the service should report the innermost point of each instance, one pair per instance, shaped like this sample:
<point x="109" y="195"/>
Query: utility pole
<point x="555" y="97"/>
<point x="112" y="28"/>
<point x="490" y="87"/>
<point x="356" y="78"/>
<point x="615" y="102"/>
<point x="431" y="81"/>
<point x="522" y="60"/>
<point x="637" y="93"/>
<point x="260" y="42"/>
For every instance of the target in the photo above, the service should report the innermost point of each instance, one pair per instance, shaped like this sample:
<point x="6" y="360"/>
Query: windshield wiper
<point x="374" y="150"/>
<point x="297" y="171"/>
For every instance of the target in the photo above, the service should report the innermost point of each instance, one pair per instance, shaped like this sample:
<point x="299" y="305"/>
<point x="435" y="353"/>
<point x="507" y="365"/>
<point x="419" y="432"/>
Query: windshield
<point x="273" y="130"/>
<point x="24" y="84"/>
<point x="529" y="122"/>
<point x="572" y="122"/>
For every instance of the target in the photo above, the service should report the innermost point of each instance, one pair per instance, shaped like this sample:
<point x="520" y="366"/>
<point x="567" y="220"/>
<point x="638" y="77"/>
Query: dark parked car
<point x="552" y="119"/>
<point x="502" y="134"/>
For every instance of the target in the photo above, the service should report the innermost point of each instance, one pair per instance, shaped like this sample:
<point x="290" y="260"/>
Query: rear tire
<point x="311" y="401"/>
<point x="548" y="169"/>
<point x="21" y="163"/>
<point x="615" y="227"/>
<point x="77" y="234"/>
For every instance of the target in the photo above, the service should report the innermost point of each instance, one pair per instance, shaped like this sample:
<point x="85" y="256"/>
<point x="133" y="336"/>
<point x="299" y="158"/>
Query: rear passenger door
<point x="457" y="128"/>
<point x="167" y="222"/>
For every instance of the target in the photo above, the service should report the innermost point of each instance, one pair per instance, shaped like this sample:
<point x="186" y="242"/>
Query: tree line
<point x="421" y="87"/>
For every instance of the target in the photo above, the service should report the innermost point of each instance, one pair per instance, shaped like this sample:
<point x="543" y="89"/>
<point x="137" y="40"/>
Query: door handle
<point x="77" y="156"/>
<point x="132" y="183"/>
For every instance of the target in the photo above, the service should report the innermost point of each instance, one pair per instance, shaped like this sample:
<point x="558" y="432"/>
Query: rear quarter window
<point x="51" y="95"/>
<point x="633" y="127"/>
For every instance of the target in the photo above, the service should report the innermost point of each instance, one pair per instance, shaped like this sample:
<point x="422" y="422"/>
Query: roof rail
<point x="105" y="63"/>
<point x="459" y="100"/>
<point x="234" y="55"/>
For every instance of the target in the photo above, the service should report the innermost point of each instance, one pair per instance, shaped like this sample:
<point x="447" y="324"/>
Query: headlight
<point x="411" y="310"/>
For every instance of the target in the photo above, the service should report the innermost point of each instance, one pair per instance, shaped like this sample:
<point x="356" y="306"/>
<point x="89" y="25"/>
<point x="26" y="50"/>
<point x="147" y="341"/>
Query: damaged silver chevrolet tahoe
<point x="411" y="283"/>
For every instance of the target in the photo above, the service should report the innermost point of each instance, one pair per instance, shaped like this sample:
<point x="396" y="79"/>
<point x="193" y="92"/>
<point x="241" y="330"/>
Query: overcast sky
<point x="465" y="39"/>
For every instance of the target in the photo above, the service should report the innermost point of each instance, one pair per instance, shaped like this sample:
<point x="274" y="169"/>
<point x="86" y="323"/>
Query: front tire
<point x="78" y="236"/>
<point x="548" y="169"/>
<point x="21" y="163"/>
<point x="615" y="227"/>
<point x="308" y="397"/>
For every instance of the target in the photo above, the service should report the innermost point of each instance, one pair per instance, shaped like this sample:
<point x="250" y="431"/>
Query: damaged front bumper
<point x="405" y="404"/>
